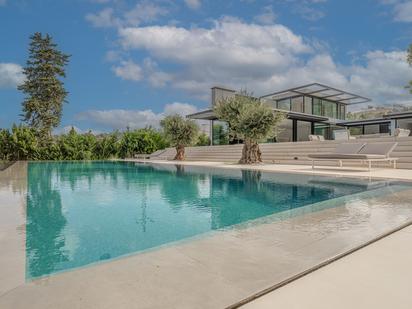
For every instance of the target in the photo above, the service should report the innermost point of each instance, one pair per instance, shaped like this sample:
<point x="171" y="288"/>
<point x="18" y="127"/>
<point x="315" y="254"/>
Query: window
<point x="297" y="104"/>
<point x="304" y="129"/>
<point x="317" y="107"/>
<point x="384" y="128"/>
<point x="405" y="124"/>
<point x="322" y="129"/>
<point x="358" y="130"/>
<point x="285" y="131"/>
<point x="342" y="112"/>
<point x="270" y="102"/>
<point x="308" y="105"/>
<point x="284" y="104"/>
<point x="329" y="109"/>
<point x="372" y="129"/>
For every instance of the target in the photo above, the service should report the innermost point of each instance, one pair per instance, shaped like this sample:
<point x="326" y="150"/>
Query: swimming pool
<point x="80" y="213"/>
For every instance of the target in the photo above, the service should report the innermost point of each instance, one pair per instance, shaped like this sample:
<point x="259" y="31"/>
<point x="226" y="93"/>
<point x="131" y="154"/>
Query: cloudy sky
<point x="135" y="61"/>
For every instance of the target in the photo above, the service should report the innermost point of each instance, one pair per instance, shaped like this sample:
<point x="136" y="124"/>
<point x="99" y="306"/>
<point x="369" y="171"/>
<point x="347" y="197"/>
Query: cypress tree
<point x="44" y="91"/>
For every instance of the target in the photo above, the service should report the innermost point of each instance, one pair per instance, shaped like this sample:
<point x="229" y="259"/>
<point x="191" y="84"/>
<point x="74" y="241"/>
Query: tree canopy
<point x="180" y="132"/>
<point x="249" y="120"/>
<point x="44" y="91"/>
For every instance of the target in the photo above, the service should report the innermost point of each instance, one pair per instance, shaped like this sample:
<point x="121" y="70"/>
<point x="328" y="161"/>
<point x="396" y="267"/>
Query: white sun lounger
<point x="364" y="152"/>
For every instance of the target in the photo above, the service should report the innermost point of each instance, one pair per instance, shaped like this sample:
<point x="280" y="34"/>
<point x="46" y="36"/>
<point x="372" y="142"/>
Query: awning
<point x="320" y="91"/>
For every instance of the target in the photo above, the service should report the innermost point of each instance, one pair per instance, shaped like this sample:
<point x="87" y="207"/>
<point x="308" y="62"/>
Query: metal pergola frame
<point x="316" y="90"/>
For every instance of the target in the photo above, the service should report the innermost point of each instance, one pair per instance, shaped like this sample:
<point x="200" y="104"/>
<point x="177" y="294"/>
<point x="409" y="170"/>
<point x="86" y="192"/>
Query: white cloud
<point x="193" y="4"/>
<point x="11" y="75"/>
<point x="267" y="16"/>
<point x="403" y="11"/>
<point x="123" y="118"/>
<point x="260" y="58"/>
<point x="179" y="108"/>
<point x="100" y="1"/>
<point x="383" y="77"/>
<point x="144" y="12"/>
<point x="231" y="50"/>
<point x="156" y="77"/>
<point x="103" y="19"/>
<point x="128" y="70"/>
<point x="309" y="13"/>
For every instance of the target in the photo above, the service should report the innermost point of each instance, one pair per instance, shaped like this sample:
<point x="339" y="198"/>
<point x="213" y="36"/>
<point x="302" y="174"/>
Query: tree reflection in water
<point x="45" y="222"/>
<point x="82" y="212"/>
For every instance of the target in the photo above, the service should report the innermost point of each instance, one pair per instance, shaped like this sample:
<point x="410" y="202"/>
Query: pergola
<point x="319" y="91"/>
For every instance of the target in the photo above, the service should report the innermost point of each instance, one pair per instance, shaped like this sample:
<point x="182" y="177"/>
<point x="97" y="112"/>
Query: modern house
<point x="311" y="109"/>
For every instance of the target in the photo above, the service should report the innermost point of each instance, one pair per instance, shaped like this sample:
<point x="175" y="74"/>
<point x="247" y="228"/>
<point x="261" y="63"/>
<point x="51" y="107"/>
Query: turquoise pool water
<point x="84" y="212"/>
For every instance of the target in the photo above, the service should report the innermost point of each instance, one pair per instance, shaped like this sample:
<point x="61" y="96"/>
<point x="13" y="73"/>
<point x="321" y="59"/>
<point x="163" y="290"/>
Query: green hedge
<point x="23" y="143"/>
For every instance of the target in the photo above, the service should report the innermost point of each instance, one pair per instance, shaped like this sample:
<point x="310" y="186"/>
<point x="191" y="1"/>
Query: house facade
<point x="311" y="109"/>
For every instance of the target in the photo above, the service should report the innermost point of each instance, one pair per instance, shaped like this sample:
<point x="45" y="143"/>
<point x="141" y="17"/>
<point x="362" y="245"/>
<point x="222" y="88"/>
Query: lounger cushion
<point x="378" y="148"/>
<point x="349" y="148"/>
<point x="337" y="156"/>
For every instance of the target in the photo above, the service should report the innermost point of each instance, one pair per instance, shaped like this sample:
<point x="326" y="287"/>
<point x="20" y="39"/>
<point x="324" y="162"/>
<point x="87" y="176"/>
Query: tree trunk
<point x="180" y="153"/>
<point x="251" y="153"/>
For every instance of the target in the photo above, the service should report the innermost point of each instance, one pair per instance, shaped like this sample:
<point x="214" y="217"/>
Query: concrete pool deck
<point x="216" y="270"/>
<point x="346" y="171"/>
<point x="377" y="276"/>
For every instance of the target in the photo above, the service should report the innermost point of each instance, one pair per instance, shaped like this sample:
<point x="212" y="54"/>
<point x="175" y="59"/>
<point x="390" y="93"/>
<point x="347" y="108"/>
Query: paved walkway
<point x="377" y="276"/>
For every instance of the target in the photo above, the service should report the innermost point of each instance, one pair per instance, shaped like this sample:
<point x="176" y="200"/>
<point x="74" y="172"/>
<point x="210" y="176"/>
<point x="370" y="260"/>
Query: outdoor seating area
<point x="363" y="152"/>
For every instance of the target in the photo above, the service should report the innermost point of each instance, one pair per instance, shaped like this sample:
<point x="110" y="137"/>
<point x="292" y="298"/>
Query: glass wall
<point x="285" y="131"/>
<point x="342" y="114"/>
<point x="284" y="104"/>
<point x="317" y="107"/>
<point x="358" y="130"/>
<point x="405" y="124"/>
<point x="377" y="128"/>
<point x="308" y="105"/>
<point x="329" y="109"/>
<point x="220" y="133"/>
<point x="304" y="129"/>
<point x="313" y="106"/>
<point x="322" y="129"/>
<point x="297" y="104"/>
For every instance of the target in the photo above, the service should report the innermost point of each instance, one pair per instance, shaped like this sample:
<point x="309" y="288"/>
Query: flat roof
<point x="210" y="115"/>
<point x="207" y="114"/>
<point x="320" y="91"/>
<point x="405" y="114"/>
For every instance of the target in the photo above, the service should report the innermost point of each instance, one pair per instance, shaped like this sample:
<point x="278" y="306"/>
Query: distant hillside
<point x="377" y="111"/>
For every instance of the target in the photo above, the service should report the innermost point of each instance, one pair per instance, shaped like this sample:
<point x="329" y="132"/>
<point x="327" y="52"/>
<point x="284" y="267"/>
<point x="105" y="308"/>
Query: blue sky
<point x="135" y="61"/>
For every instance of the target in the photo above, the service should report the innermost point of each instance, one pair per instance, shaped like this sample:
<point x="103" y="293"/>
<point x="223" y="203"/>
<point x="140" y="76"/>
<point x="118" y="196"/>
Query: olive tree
<point x="180" y="132"/>
<point x="249" y="120"/>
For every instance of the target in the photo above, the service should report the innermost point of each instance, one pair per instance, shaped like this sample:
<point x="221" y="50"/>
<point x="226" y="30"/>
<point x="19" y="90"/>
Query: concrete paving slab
<point x="377" y="276"/>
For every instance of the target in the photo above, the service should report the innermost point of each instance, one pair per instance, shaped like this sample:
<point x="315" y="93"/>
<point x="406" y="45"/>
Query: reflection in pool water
<point x="84" y="212"/>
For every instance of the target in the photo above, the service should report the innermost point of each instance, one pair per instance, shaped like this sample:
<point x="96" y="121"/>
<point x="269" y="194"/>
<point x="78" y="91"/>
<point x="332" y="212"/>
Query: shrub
<point x="24" y="143"/>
